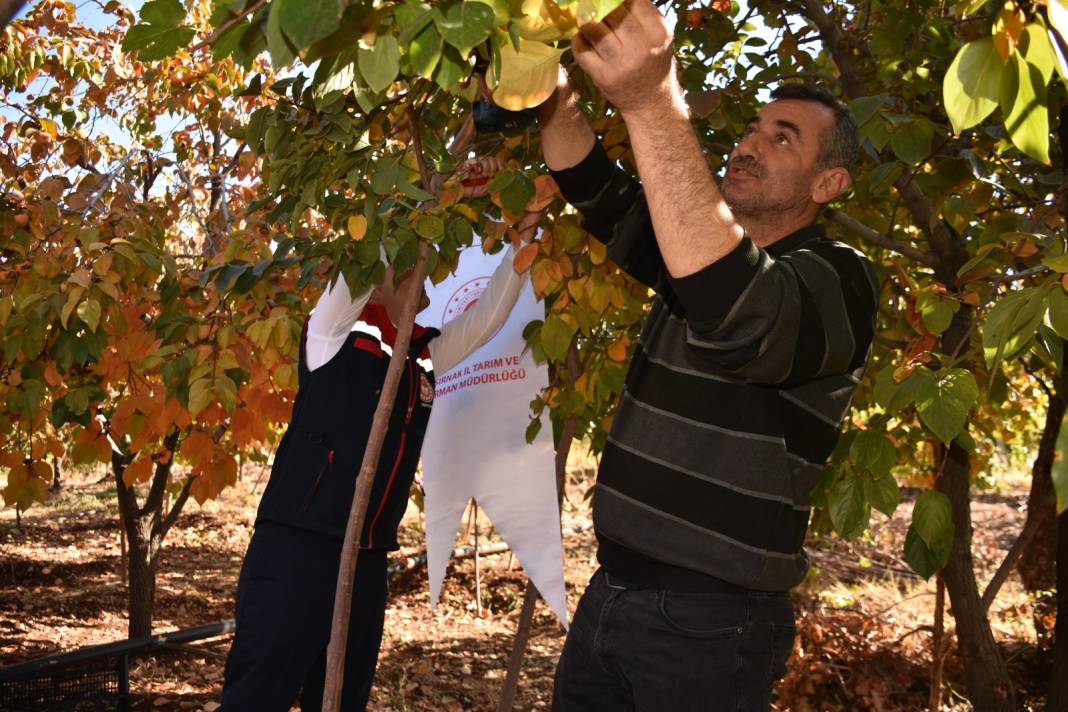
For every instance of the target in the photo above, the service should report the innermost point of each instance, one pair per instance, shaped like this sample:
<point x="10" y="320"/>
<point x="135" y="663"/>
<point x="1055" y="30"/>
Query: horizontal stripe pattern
<point x="734" y="398"/>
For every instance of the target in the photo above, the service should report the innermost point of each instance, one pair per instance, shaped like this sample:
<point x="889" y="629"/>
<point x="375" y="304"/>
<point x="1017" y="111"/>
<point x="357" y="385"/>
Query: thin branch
<point x="1022" y="274"/>
<point x="877" y="238"/>
<point x="176" y="508"/>
<point x="218" y="31"/>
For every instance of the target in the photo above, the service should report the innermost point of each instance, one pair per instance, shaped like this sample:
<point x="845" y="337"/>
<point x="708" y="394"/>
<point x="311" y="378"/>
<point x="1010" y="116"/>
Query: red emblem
<point x="426" y="389"/>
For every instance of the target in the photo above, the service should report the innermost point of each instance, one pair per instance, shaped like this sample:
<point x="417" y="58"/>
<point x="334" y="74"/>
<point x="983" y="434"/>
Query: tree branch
<point x="176" y="508"/>
<point x="218" y="31"/>
<point x="877" y="238"/>
<point x="8" y="10"/>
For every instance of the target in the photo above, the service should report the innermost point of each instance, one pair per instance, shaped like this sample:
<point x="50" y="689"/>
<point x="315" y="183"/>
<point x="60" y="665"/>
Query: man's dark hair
<point x="839" y="145"/>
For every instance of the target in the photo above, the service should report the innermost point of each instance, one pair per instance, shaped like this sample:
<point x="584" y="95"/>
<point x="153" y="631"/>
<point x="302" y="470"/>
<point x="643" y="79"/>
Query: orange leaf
<point x="525" y="257"/>
<point x="140" y="470"/>
<point x="198" y="447"/>
<point x="1007" y="30"/>
<point x="357" y="225"/>
<point x="618" y="350"/>
<point x="544" y="191"/>
<point x="51" y="375"/>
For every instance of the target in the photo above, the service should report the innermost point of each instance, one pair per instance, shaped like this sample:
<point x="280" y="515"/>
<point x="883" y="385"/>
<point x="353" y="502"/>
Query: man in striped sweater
<point x="757" y="337"/>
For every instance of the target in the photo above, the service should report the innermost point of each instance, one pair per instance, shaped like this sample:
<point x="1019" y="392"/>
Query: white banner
<point x="475" y="443"/>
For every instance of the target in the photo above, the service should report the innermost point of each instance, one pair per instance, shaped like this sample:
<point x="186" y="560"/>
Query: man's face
<point x="774" y="164"/>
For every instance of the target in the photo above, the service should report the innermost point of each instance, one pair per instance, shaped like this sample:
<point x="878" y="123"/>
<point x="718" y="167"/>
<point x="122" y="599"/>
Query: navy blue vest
<point x="314" y="474"/>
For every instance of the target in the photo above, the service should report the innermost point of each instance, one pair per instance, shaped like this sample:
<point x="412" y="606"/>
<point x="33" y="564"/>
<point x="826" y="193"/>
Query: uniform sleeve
<point x="330" y="323"/>
<point x="461" y="336"/>
<point x="614" y="210"/>
<point x="806" y="314"/>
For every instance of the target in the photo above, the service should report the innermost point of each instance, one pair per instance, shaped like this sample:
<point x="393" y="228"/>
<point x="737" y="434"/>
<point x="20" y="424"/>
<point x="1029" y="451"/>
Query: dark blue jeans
<point x="639" y="649"/>
<point x="285" y="603"/>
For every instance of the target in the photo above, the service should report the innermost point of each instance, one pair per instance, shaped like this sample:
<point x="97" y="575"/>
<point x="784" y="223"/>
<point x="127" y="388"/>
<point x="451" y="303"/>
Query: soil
<point x="864" y="620"/>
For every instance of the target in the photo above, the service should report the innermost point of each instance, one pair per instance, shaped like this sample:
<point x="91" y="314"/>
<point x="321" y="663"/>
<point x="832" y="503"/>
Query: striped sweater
<point x="733" y="400"/>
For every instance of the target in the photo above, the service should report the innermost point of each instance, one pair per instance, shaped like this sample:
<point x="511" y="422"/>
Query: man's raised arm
<point x="629" y="56"/>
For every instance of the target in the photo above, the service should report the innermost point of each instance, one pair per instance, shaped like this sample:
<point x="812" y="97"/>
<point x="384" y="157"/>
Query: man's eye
<point x="781" y="138"/>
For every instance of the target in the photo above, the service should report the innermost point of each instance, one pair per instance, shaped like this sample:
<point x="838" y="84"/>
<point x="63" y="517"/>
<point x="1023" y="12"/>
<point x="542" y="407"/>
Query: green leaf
<point x="849" y="510"/>
<point x="971" y="86"/>
<point x="937" y="312"/>
<point x="465" y="24"/>
<point x="89" y="312"/>
<point x="379" y="64"/>
<point x="932" y="517"/>
<point x="911" y="142"/>
<point x="1037" y="50"/>
<point x="943" y="405"/>
<point x="883" y="493"/>
<point x="1023" y="103"/>
<point x="1058" y="312"/>
<point x="517" y="193"/>
<point x="872" y="452"/>
<point x="152" y="42"/>
<point x="166" y="13"/>
<point x="922" y="558"/>
<point x="425" y="51"/>
<point x="556" y="337"/>
<point x="282" y="52"/>
<point x="451" y="69"/>
<point x="411" y="18"/>
<point x="429" y="226"/>
<point x="866" y="106"/>
<point x="1059" y="472"/>
<point x="305" y="21"/>
<point x="1012" y="323"/>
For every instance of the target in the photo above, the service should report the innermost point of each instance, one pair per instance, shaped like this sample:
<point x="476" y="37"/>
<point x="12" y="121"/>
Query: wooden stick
<point x="339" y="628"/>
<point x="530" y="596"/>
<point x="478" y="575"/>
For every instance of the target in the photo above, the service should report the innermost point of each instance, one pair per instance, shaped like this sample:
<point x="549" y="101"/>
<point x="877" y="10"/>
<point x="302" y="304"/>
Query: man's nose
<point x="748" y="146"/>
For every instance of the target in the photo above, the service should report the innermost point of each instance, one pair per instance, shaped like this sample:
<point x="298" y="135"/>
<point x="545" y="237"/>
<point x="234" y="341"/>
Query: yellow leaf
<point x="528" y="75"/>
<point x="545" y="21"/>
<point x="199" y="395"/>
<point x="598" y="252"/>
<point x="357" y="227"/>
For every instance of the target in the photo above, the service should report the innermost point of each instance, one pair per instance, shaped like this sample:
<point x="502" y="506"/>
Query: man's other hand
<point x="629" y="55"/>
<point x="527" y="227"/>
<point x="476" y="173"/>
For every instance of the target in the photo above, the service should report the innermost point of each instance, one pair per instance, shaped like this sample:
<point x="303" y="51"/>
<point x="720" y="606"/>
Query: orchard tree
<point x="959" y="202"/>
<point x="149" y="314"/>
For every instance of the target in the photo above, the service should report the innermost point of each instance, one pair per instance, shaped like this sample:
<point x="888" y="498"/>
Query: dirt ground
<point x="864" y="621"/>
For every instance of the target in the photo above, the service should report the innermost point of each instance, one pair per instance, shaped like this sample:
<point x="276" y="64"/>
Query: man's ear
<point x="829" y="184"/>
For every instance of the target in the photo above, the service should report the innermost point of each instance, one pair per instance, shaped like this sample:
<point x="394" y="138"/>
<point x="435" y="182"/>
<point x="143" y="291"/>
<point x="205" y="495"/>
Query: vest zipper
<point x="318" y="478"/>
<point x="400" y="454"/>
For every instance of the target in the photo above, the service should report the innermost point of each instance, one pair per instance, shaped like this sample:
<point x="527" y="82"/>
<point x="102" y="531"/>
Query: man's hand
<point x="629" y="56"/>
<point x="527" y="226"/>
<point x="476" y="174"/>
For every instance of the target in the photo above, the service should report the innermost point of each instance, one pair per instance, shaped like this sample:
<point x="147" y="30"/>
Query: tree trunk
<point x="57" y="480"/>
<point x="141" y="578"/>
<point x="145" y="528"/>
<point x="1058" y="686"/>
<point x="8" y="10"/>
<point x="1037" y="565"/>
<point x="986" y="678"/>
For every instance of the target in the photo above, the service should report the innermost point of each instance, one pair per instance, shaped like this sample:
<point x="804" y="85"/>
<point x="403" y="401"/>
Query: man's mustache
<point x="747" y="164"/>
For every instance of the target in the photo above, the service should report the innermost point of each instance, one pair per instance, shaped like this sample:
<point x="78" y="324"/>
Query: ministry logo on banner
<point x="475" y="445"/>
